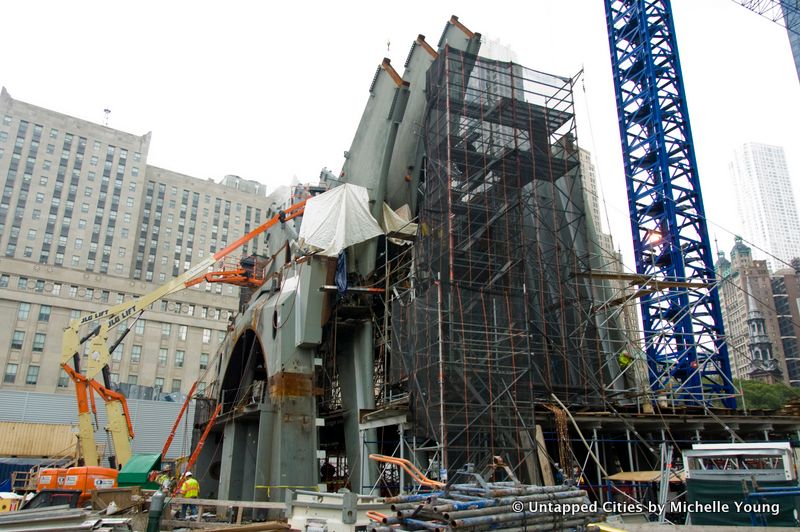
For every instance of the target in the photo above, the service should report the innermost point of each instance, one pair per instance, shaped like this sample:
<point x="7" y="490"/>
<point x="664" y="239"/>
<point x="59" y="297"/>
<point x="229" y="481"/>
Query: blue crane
<point x="683" y="332"/>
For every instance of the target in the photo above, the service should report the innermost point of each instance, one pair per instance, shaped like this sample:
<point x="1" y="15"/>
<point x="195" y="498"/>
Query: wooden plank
<point x="544" y="463"/>
<point x="531" y="463"/>
<point x="123" y="498"/>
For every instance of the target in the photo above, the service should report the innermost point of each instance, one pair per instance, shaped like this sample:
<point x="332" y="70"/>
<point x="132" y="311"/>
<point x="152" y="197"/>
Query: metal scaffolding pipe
<point x="501" y="509"/>
<point x="534" y="518"/>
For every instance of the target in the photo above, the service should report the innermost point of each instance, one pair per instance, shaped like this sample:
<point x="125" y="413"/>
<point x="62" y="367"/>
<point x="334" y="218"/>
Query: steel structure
<point x="684" y="336"/>
<point x="500" y="317"/>
<point x="783" y="12"/>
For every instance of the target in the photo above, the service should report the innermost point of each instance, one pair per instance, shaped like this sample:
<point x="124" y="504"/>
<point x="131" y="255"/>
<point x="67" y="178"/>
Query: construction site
<point x="438" y="332"/>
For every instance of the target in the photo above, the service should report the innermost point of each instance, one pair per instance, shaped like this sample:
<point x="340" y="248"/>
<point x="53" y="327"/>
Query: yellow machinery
<point x="119" y="424"/>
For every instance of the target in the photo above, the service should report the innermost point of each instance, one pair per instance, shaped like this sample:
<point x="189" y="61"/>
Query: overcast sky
<point x="274" y="90"/>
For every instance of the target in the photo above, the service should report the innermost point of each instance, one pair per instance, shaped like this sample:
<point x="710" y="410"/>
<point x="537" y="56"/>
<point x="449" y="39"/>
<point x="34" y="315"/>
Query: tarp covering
<point x="337" y="219"/>
<point x="398" y="222"/>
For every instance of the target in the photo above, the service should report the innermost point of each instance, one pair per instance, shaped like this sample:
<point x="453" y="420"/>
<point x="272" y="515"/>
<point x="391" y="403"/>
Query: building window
<point x="56" y="289"/>
<point x="63" y="379"/>
<point x="73" y="291"/>
<point x="4" y="281"/>
<point x="115" y="378"/>
<point x="201" y="388"/>
<point x="74" y="314"/>
<point x="33" y="375"/>
<point x="203" y="360"/>
<point x="22" y="284"/>
<point x="166" y="329"/>
<point x="179" y="355"/>
<point x="24" y="311"/>
<point x="6" y="120"/>
<point x="136" y="354"/>
<point x="176" y="385"/>
<point x="139" y="329"/>
<point x="182" y="330"/>
<point x="11" y="373"/>
<point x="206" y="336"/>
<point x="159" y="384"/>
<point x="38" y="342"/>
<point x="133" y="379"/>
<point x="44" y="312"/>
<point x="17" y="339"/>
<point x="162" y="357"/>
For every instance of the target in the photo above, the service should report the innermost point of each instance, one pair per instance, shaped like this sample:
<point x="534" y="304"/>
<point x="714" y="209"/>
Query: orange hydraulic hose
<point x="409" y="468"/>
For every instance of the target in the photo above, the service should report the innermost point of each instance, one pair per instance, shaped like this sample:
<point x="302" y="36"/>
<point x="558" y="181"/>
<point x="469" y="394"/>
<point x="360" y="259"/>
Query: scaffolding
<point x="500" y="316"/>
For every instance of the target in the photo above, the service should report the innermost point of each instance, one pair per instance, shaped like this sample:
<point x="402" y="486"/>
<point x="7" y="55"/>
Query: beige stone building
<point x="86" y="223"/>
<point x="752" y="330"/>
<point x="610" y="259"/>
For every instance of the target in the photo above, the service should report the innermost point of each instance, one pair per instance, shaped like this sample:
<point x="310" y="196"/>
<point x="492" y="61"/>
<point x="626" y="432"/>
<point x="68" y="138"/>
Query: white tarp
<point x="398" y="222"/>
<point x="337" y="219"/>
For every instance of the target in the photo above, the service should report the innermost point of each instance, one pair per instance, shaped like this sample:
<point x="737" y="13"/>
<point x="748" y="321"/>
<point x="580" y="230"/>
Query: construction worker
<point x="190" y="489"/>
<point x="163" y="480"/>
<point x="577" y="476"/>
<point x="624" y="359"/>
<point x="327" y="471"/>
<point x="559" y="474"/>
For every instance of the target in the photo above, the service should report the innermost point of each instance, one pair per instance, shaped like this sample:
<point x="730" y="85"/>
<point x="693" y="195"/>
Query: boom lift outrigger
<point x="119" y="425"/>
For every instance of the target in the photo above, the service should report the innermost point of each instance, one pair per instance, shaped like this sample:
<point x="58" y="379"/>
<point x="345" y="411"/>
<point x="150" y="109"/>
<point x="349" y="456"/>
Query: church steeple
<point x="759" y="344"/>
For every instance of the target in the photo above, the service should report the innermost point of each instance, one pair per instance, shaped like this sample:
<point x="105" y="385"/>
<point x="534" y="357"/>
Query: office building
<point x="609" y="259"/>
<point x="766" y="203"/>
<point x="86" y="223"/>
<point x="786" y="295"/>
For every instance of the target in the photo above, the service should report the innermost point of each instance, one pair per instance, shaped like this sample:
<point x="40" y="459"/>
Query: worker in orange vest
<point x="190" y="489"/>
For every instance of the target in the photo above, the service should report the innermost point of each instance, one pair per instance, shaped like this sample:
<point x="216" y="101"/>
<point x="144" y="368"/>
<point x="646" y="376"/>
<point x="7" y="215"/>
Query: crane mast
<point x="683" y="332"/>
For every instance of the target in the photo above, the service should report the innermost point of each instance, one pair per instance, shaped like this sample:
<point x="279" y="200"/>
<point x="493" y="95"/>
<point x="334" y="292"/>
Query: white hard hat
<point x="188" y="474"/>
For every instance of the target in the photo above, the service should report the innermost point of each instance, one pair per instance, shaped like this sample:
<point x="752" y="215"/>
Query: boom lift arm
<point x="100" y="355"/>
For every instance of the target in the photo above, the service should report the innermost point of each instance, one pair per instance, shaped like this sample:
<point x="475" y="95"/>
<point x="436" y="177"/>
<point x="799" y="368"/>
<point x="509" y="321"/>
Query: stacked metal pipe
<point x="493" y="506"/>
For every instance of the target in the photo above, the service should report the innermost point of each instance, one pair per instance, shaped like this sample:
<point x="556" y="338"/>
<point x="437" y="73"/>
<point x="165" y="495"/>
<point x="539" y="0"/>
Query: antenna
<point x="107" y="112"/>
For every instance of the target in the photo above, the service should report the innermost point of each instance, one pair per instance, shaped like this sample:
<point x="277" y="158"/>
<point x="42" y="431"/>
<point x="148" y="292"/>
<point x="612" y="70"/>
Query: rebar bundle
<point x="495" y="506"/>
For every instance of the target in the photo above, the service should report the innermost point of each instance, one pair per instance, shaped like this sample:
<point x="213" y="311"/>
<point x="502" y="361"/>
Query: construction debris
<point x="61" y="517"/>
<point x="482" y="505"/>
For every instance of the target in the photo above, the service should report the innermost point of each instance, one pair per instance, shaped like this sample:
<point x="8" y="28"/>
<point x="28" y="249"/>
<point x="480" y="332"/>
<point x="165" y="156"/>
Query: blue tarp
<point x="8" y="466"/>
